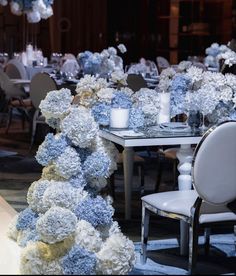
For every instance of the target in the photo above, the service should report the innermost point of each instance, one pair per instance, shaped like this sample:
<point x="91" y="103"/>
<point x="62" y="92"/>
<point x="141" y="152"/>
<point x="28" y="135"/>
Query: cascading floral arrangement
<point x="35" y="10"/>
<point x="68" y="227"/>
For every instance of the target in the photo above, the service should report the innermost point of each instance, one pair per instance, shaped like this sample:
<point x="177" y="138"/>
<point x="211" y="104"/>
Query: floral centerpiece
<point x="102" y="64"/>
<point x="35" y="10"/>
<point x="192" y="89"/>
<point x="68" y="227"/>
<point x="213" y="52"/>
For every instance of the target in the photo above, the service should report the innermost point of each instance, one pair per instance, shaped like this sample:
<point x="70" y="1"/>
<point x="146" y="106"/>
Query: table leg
<point x="185" y="157"/>
<point x="128" y="158"/>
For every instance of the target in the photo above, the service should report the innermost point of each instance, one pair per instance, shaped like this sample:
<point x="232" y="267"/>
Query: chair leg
<point x="193" y="247"/>
<point x="9" y="119"/>
<point x="234" y="241"/>
<point x="159" y="174"/>
<point x="207" y="234"/>
<point x="144" y="234"/>
<point x="141" y="175"/>
<point x="34" y="126"/>
<point x="175" y="178"/>
<point x="112" y="185"/>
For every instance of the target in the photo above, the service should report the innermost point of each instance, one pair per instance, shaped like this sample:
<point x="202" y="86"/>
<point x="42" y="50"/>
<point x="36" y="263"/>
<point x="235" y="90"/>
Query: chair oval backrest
<point x="40" y="85"/>
<point x="214" y="165"/>
<point x="16" y="70"/>
<point x="136" y="82"/>
<point x="9" y="88"/>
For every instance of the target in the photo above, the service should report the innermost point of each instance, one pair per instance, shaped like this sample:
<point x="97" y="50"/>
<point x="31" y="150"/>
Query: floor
<point x="18" y="169"/>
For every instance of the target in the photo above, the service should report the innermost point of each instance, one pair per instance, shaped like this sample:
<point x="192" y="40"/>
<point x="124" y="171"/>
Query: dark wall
<point x="142" y="25"/>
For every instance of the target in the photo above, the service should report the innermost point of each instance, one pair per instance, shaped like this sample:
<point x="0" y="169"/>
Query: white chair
<point x="162" y="63"/>
<point x="16" y="70"/>
<point x="16" y="98"/>
<point x="40" y="85"/>
<point x="214" y="180"/>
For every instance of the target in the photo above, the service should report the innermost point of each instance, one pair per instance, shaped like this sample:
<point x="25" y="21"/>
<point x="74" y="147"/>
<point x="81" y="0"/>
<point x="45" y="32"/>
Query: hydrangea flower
<point x="87" y="236"/>
<point x="105" y="95"/>
<point x="54" y="123"/>
<point x="97" y="165"/>
<point x="95" y="211"/>
<point x="122" y="48"/>
<point x="78" y="181"/>
<point x="121" y="100"/>
<point x="62" y="194"/>
<point x="26" y="219"/>
<point x="195" y="74"/>
<point x="51" y="148"/>
<point x="97" y="183"/>
<point x="35" y="195"/>
<point x="49" y="173"/>
<point x="80" y="127"/>
<point x="57" y="104"/>
<point x="68" y="163"/>
<point x="79" y="262"/>
<point x="179" y="88"/>
<point x="31" y="262"/>
<point x="26" y="236"/>
<point x="116" y="256"/>
<point x="229" y="57"/>
<point x="56" y="225"/>
<point x="119" y="77"/>
<point x="136" y="118"/>
<point x="12" y="232"/>
<point x="90" y="83"/>
<point x="101" y="113"/>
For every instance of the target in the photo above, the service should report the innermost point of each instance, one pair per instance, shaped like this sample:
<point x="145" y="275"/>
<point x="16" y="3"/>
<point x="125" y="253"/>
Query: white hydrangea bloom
<point x="119" y="77"/>
<point x="195" y="74"/>
<point x="97" y="183"/>
<point x="226" y="94"/>
<point x="68" y="163"/>
<point x="62" y="194"/>
<point x="45" y="12"/>
<point x="112" y="51"/>
<point x="12" y="232"/>
<point x="184" y="65"/>
<point x="57" y="104"/>
<point x="129" y="92"/>
<point x="105" y="95"/>
<point x="116" y="256"/>
<point x="231" y="81"/>
<point x="229" y="57"/>
<point x="213" y="78"/>
<point x="79" y="126"/>
<point x="32" y="263"/>
<point x="122" y="48"/>
<point x="109" y="230"/>
<point x="90" y="83"/>
<point x="87" y="236"/>
<point x="15" y="8"/>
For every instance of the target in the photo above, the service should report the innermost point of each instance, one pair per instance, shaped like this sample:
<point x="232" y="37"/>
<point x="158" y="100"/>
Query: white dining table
<point x="152" y="136"/>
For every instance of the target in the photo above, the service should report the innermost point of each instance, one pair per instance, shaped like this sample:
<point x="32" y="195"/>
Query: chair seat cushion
<point x="180" y="202"/>
<point x="137" y="158"/>
<point x="21" y="103"/>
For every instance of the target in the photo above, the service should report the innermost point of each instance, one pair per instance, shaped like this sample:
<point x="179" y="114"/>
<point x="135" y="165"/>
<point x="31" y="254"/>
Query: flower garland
<point x="35" y="10"/>
<point x="68" y="227"/>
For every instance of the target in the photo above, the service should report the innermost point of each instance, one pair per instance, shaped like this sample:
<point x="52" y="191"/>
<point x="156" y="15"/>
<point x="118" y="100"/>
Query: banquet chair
<point x="16" y="99"/>
<point x="209" y="204"/>
<point x="162" y="63"/>
<point x="136" y="82"/>
<point x="15" y="70"/>
<point x="40" y="85"/>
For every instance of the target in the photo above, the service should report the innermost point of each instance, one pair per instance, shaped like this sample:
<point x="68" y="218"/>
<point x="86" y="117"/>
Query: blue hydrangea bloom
<point x="97" y="165"/>
<point x="101" y="113"/>
<point x="83" y="57"/>
<point x="136" y="118"/>
<point x="78" y="181"/>
<point x="178" y="88"/>
<point x="26" y="219"/>
<point x="79" y="262"/>
<point x="50" y="149"/>
<point x="95" y="211"/>
<point x="121" y="100"/>
<point x="91" y="65"/>
<point x="28" y="236"/>
<point x="232" y="115"/>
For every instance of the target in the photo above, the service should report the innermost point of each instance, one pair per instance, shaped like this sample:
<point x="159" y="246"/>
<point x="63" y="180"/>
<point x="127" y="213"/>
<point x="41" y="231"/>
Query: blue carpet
<point x="163" y="258"/>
